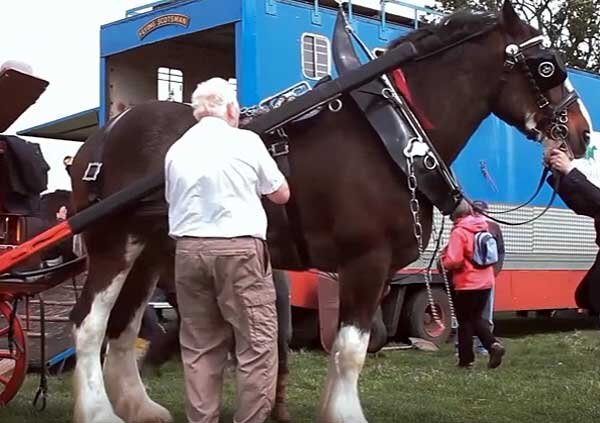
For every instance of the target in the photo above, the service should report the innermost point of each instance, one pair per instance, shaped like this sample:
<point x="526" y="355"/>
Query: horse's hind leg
<point x="121" y="374"/>
<point x="163" y="346"/>
<point x="108" y="269"/>
<point x="361" y="285"/>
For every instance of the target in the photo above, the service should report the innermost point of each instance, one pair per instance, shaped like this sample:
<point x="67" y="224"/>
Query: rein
<point x="543" y="212"/>
<point x="535" y="194"/>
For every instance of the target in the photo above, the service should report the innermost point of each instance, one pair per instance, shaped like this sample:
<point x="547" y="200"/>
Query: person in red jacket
<point x="472" y="287"/>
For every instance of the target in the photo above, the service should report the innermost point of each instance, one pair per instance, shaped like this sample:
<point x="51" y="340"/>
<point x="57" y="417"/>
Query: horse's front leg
<point x="361" y="284"/>
<point x="124" y="386"/>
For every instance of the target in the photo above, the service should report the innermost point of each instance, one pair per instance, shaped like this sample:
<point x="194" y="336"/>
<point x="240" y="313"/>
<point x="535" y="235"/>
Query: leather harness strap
<point x="93" y="175"/>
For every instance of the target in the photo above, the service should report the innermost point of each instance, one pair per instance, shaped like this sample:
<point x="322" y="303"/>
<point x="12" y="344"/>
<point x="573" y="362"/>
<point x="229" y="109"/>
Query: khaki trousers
<point x="226" y="300"/>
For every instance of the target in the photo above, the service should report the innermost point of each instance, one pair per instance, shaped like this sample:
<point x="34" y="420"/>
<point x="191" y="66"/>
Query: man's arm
<point x="271" y="182"/>
<point x="281" y="195"/>
<point x="578" y="193"/>
<point x="582" y="196"/>
<point x="166" y="166"/>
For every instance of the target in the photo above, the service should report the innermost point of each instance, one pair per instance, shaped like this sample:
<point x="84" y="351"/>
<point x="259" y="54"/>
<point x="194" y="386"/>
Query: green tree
<point x="573" y="26"/>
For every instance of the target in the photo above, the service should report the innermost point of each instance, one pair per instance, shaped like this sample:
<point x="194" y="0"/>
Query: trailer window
<point x="170" y="84"/>
<point x="315" y="56"/>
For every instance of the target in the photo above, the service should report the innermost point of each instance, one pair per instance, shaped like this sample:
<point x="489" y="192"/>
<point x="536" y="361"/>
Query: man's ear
<point x="233" y="113"/>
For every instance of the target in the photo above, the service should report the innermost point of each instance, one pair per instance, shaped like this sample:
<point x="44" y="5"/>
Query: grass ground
<point x="551" y="374"/>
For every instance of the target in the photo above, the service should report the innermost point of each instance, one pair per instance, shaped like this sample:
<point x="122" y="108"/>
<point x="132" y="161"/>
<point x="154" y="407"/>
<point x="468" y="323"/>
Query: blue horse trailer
<point x="163" y="49"/>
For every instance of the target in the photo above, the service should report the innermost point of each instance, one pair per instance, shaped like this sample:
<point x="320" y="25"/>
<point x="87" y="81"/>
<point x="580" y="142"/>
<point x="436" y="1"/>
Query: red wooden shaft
<point x="28" y="248"/>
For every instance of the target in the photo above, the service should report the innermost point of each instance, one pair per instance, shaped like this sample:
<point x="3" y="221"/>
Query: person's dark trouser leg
<point x="464" y="314"/>
<point x="587" y="294"/>
<point x="481" y="324"/>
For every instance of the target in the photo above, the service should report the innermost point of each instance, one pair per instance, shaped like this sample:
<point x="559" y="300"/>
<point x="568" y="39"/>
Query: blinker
<point x="548" y="69"/>
<point x="544" y="63"/>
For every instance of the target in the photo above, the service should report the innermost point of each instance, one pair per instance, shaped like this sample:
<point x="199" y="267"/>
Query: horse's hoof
<point x="147" y="412"/>
<point x="153" y="413"/>
<point x="280" y="413"/>
<point x="107" y="417"/>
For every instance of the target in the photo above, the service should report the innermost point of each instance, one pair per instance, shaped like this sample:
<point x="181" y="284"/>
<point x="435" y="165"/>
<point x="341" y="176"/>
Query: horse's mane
<point x="451" y="28"/>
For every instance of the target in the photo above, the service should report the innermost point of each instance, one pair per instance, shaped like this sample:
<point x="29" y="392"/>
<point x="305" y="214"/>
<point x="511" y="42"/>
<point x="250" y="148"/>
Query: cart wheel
<point x="13" y="361"/>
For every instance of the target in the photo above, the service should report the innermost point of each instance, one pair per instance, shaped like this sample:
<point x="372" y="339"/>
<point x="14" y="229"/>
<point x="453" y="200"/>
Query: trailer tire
<point x="417" y="319"/>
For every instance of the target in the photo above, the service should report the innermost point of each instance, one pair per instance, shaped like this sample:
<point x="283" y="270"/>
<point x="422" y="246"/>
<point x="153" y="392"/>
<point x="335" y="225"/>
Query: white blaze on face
<point x="531" y="126"/>
<point x="530" y="122"/>
<point x="584" y="110"/>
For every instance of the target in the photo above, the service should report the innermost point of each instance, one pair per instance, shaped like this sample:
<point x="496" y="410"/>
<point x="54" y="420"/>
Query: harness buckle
<point x="543" y="102"/>
<point x="92" y="171"/>
<point x="280" y="148"/>
<point x="416" y="148"/>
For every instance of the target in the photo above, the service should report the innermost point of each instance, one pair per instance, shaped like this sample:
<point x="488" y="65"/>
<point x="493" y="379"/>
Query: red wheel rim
<point x="433" y="328"/>
<point x="13" y="364"/>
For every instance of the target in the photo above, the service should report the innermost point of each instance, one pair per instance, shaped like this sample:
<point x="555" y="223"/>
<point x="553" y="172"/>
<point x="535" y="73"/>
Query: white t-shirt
<point x="214" y="177"/>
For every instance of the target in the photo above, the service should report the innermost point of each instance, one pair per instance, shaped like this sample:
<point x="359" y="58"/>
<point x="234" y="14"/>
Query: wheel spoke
<point x="3" y="380"/>
<point x="3" y="331"/>
<point x="5" y="354"/>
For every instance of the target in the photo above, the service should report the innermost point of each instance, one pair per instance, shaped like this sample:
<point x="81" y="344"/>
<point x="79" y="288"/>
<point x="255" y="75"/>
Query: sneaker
<point x="481" y="350"/>
<point x="467" y="366"/>
<point x="496" y="353"/>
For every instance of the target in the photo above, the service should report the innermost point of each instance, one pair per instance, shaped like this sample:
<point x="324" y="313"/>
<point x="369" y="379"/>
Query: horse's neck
<point x="454" y="109"/>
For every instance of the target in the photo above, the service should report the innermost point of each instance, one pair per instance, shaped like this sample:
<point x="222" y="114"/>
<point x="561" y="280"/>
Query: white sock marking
<point x="91" y="402"/>
<point x="339" y="401"/>
<point x="124" y="385"/>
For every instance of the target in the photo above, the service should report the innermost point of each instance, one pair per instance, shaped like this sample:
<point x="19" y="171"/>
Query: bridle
<point x="544" y="71"/>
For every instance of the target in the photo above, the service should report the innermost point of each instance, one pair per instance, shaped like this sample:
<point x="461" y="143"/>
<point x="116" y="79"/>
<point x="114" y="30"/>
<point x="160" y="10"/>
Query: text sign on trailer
<point x="171" y="19"/>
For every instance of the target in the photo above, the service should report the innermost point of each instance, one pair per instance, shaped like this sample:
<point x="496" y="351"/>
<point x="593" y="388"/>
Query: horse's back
<point x="130" y="146"/>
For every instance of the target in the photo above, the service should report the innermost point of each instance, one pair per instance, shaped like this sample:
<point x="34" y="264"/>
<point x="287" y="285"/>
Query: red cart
<point x="18" y="91"/>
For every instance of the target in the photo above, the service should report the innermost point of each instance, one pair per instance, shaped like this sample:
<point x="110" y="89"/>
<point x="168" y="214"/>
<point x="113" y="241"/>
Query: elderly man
<point x="215" y="176"/>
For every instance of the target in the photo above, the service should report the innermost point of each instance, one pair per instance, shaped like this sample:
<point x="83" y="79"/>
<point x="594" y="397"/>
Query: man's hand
<point x="560" y="162"/>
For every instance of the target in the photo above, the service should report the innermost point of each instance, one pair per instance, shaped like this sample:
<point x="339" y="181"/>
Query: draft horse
<point x="352" y="201"/>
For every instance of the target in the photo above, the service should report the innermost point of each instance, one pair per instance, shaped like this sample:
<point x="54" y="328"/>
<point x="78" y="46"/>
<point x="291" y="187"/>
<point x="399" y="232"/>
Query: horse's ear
<point x="510" y="19"/>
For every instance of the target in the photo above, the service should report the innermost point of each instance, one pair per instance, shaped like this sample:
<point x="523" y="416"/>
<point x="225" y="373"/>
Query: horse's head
<point x="535" y="94"/>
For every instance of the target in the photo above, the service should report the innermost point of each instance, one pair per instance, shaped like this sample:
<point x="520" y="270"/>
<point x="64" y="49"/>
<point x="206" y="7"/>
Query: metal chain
<point x="415" y="209"/>
<point x="453" y="318"/>
<point x="253" y="111"/>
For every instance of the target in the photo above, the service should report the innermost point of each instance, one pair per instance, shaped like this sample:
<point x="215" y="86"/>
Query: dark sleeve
<point x="495" y="230"/>
<point x="582" y="196"/>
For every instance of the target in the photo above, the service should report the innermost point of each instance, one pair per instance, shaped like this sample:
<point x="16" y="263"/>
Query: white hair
<point x="211" y="98"/>
<point x="20" y="66"/>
